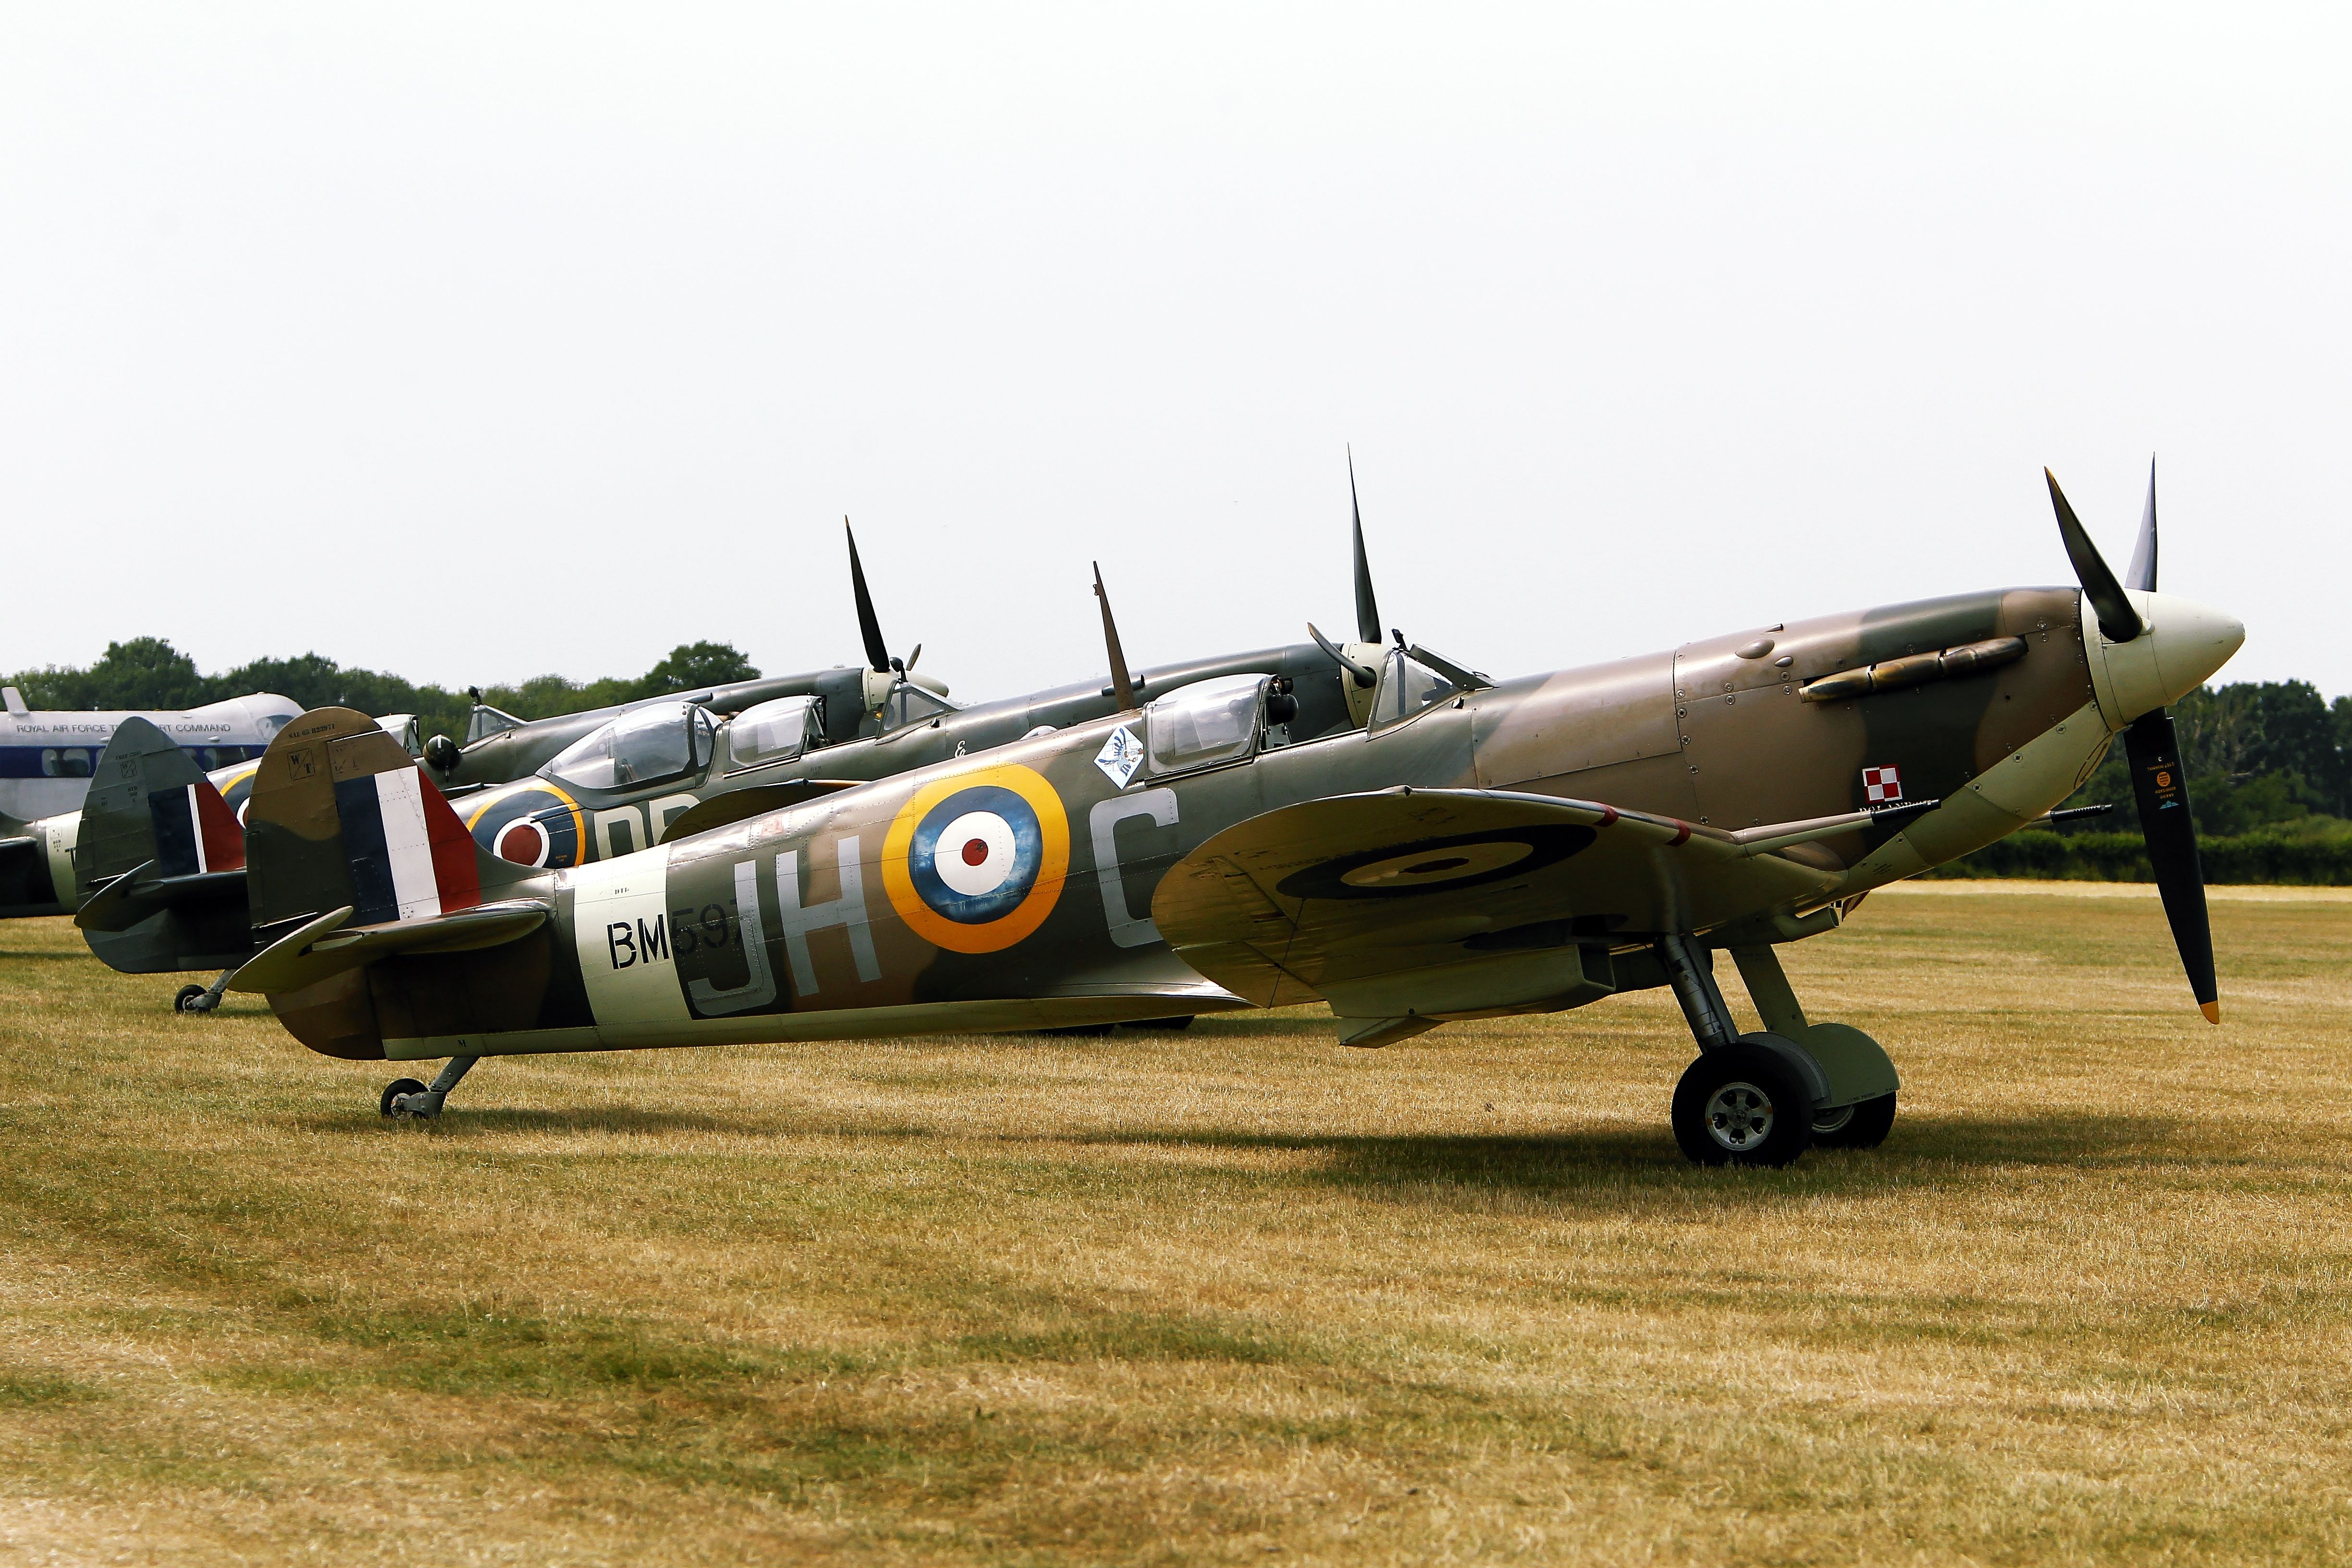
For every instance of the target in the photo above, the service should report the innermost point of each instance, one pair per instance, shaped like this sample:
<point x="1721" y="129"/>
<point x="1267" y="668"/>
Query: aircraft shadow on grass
<point x="1603" y="1166"/>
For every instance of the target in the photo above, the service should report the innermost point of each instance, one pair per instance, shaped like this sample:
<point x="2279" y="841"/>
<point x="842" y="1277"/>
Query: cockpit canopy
<point x="779" y="731"/>
<point x="644" y="745"/>
<point x="1207" y="722"/>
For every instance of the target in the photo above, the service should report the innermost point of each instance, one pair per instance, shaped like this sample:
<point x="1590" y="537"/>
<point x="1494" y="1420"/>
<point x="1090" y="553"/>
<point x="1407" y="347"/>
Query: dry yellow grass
<point x="1231" y="1295"/>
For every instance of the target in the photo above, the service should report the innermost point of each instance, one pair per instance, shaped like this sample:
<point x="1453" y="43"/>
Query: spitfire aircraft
<point x="1470" y="848"/>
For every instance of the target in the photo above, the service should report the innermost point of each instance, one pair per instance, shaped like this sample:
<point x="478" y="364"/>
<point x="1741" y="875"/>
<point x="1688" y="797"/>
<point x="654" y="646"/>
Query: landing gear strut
<point x="1762" y="1098"/>
<point x="405" y="1097"/>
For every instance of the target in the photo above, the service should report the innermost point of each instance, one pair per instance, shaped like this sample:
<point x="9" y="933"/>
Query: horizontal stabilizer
<point x="121" y="903"/>
<point x="328" y="946"/>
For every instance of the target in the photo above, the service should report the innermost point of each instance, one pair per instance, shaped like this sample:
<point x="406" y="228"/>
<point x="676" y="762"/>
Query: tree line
<point x="149" y="672"/>
<point x="2269" y="786"/>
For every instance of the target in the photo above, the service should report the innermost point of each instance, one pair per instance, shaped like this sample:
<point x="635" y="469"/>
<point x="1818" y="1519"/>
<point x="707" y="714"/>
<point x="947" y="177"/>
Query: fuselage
<point x="46" y="757"/>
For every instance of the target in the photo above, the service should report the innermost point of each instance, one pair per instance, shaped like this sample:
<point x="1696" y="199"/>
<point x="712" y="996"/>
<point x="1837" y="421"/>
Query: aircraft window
<point x="1407" y="686"/>
<point x="649" y="743"/>
<point x="1207" y="722"/>
<point x="777" y="731"/>
<point x="65" y="761"/>
<point x="273" y="722"/>
<point x="910" y="704"/>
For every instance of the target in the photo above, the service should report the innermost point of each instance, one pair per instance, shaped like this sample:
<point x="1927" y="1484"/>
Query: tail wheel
<point x="393" y="1091"/>
<point x="186" y="999"/>
<point x="1863" y="1126"/>
<point x="1741" y="1105"/>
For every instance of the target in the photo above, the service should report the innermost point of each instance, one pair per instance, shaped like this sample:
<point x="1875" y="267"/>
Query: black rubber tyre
<point x="1742" y="1105"/>
<point x="394" y="1090"/>
<point x="187" y="993"/>
<point x="1862" y="1126"/>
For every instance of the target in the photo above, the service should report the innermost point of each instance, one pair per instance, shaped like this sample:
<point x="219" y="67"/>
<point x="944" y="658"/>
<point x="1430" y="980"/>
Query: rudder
<point x="341" y="814"/>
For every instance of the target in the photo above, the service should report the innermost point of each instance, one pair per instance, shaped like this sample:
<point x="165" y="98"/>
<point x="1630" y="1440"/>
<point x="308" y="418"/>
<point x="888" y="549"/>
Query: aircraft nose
<point x="2191" y="641"/>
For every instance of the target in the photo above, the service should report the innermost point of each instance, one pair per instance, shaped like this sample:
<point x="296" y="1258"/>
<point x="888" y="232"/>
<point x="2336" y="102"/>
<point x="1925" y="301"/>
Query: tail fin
<point x="150" y="805"/>
<point x="342" y="816"/>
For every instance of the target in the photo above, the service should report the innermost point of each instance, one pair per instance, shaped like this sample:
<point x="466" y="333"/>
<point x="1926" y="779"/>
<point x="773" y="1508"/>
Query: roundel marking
<point x="975" y="862"/>
<point x="502" y="822"/>
<point x="525" y="841"/>
<point x="1438" y="864"/>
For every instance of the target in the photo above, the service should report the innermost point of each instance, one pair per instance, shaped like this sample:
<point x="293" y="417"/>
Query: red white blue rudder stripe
<point x="409" y="858"/>
<point x="195" y="832"/>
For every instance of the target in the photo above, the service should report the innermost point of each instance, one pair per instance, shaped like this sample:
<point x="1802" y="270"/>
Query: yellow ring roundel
<point x="975" y="862"/>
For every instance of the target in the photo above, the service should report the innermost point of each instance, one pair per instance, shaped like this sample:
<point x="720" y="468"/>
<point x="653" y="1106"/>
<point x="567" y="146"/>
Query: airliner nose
<point x="2190" y="641"/>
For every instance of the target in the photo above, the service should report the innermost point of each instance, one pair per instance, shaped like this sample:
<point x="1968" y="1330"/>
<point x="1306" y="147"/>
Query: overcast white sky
<point x="476" y="342"/>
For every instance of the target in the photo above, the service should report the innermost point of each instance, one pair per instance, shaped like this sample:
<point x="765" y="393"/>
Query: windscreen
<point x="1407" y="686"/>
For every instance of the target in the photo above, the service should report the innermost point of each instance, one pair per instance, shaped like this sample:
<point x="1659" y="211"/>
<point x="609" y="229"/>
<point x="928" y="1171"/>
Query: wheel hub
<point x="1739" y="1117"/>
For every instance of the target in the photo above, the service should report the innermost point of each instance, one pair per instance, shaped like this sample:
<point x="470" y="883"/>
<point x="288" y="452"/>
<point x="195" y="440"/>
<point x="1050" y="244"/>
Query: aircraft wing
<point x="1339" y="898"/>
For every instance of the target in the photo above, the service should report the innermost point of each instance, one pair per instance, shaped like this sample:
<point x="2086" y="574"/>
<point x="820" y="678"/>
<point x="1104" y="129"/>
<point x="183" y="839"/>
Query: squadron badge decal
<point x="975" y="862"/>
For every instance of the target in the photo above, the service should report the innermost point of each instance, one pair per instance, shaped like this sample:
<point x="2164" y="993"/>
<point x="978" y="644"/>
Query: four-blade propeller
<point x="2160" y="785"/>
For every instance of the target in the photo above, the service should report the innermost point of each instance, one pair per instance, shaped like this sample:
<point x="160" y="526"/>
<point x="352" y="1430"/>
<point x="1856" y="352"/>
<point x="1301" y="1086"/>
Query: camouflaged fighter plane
<point x="161" y="891"/>
<point x="1474" y="850"/>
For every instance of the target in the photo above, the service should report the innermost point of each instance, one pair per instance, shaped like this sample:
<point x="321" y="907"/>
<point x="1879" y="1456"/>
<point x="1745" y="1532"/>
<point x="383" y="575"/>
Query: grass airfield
<point x="1233" y="1295"/>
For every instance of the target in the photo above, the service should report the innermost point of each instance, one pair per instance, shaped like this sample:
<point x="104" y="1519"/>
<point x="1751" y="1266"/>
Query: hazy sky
<point x="480" y="342"/>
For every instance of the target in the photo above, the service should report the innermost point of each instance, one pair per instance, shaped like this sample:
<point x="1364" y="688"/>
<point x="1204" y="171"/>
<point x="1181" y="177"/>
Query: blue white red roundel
<point x="976" y="854"/>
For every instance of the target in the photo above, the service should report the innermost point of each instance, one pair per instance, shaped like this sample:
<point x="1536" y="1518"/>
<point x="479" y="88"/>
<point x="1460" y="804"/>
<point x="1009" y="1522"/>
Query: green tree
<point x="690" y="667"/>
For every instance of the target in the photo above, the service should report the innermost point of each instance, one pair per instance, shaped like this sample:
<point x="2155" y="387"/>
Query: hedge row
<point x="2257" y="856"/>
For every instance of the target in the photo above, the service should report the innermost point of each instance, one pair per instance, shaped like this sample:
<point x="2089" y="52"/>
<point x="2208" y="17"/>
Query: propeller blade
<point x="2162" y="791"/>
<point x="1121" y="686"/>
<point x="1368" y="610"/>
<point x="2141" y="574"/>
<point x="877" y="652"/>
<point x="2118" y="621"/>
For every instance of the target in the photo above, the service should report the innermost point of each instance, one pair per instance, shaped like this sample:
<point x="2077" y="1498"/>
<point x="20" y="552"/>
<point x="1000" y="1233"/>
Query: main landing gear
<point x="404" y="1099"/>
<point x="1762" y="1098"/>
